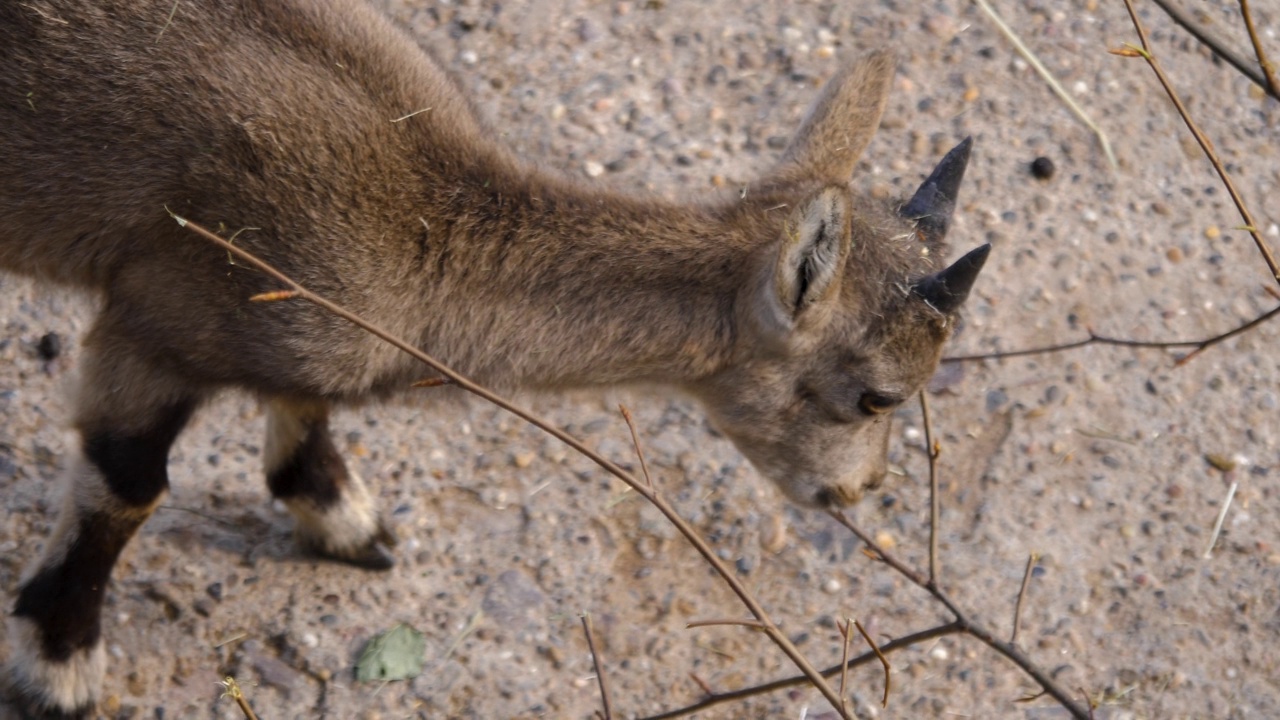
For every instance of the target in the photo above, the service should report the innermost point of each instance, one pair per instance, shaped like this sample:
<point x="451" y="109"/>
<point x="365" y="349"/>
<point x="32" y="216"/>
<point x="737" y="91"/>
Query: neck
<point x="539" y="283"/>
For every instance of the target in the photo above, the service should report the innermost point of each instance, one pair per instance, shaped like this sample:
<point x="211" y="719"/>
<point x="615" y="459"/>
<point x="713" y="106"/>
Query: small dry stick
<point x="1222" y="515"/>
<point x="274" y="296"/>
<point x="1198" y="346"/>
<point x="1051" y="80"/>
<point x="635" y="440"/>
<point x="599" y="665"/>
<point x="884" y="702"/>
<point x="1205" y="145"/>
<point x="699" y="543"/>
<point x="933" y="449"/>
<point x="846" y="632"/>
<point x="1268" y="69"/>
<point x="1022" y="594"/>
<point x="233" y="691"/>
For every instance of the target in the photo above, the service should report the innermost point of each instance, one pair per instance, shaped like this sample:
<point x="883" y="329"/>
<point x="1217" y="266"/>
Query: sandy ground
<point x="1094" y="458"/>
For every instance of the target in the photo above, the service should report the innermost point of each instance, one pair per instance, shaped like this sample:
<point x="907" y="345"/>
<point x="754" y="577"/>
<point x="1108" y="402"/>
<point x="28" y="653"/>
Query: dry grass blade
<point x="1051" y="80"/>
<point x="703" y="548"/>
<point x="1205" y="145"/>
<point x="1222" y="515"/>
<point x="724" y="621"/>
<point x="274" y="296"/>
<point x="599" y="666"/>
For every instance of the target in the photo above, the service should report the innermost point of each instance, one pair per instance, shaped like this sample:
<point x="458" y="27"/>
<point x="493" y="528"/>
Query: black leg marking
<point x="135" y="467"/>
<point x="65" y="600"/>
<point x="314" y="471"/>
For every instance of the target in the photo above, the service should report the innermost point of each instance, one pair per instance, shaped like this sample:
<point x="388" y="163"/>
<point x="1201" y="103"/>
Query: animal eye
<point x="876" y="404"/>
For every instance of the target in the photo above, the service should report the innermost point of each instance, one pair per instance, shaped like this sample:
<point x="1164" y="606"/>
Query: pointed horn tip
<point x="978" y="255"/>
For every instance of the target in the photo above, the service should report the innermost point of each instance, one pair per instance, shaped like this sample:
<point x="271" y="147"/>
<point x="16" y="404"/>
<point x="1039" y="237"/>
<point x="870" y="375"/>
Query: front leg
<point x="334" y="515"/>
<point x="128" y="416"/>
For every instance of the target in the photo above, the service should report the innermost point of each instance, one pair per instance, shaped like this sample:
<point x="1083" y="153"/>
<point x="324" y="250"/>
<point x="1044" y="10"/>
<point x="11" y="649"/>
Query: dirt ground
<point x="1094" y="458"/>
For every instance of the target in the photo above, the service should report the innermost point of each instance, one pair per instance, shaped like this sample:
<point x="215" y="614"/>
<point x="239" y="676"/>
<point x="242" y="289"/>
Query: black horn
<point x="932" y="204"/>
<point x="947" y="290"/>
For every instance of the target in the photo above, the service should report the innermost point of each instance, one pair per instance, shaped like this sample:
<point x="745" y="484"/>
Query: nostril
<point x="837" y="497"/>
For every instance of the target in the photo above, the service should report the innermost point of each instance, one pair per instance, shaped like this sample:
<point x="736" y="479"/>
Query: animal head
<point x="849" y="309"/>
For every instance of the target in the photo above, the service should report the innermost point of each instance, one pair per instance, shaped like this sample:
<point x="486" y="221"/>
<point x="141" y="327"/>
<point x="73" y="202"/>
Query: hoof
<point x="373" y="554"/>
<point x="18" y="704"/>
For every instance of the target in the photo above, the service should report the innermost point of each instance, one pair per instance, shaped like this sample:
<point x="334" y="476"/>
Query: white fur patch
<point x="66" y="686"/>
<point x="343" y="529"/>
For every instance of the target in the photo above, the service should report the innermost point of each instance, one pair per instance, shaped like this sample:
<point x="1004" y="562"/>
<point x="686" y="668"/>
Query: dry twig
<point x="884" y="702"/>
<point x="1238" y="61"/>
<point x="933" y="449"/>
<point x="1268" y="70"/>
<point x="770" y="628"/>
<point x="1222" y="515"/>
<point x="716" y="698"/>
<point x="1205" y="145"/>
<point x="635" y="441"/>
<point x="599" y="666"/>
<point x="1022" y="594"/>
<point x="1198" y="346"/>
<point x="968" y="626"/>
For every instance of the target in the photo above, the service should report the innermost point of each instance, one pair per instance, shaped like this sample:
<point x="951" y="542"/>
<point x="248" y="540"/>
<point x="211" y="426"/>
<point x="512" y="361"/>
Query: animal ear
<point x="840" y="124"/>
<point x="814" y="245"/>
<point x="946" y="291"/>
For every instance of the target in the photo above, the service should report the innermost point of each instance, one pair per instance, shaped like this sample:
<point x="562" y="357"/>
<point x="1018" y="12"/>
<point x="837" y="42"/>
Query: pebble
<point x="1042" y="168"/>
<point x="886" y="541"/>
<point x="1174" y="254"/>
<point x="593" y="168"/>
<point x="524" y="459"/>
<point x="831" y="586"/>
<point x="1212" y="232"/>
<point x="938" y="653"/>
<point x="468" y="57"/>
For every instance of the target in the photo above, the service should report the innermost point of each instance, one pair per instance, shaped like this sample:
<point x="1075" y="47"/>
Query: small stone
<point x="886" y="541"/>
<point x="524" y="459"/>
<point x="1042" y="168"/>
<point x="972" y="94"/>
<point x="938" y="653"/>
<point x="773" y="537"/>
<point x="469" y="57"/>
<point x="831" y="586"/>
<point x="1212" y="232"/>
<point x="593" y="168"/>
<point x="1220" y="462"/>
<point x="49" y="346"/>
<point x="1174" y="254"/>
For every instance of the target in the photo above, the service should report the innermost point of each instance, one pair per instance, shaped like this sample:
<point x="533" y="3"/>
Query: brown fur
<point x="272" y="120"/>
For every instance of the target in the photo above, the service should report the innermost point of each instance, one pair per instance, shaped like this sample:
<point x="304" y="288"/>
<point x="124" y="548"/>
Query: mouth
<point x="829" y="498"/>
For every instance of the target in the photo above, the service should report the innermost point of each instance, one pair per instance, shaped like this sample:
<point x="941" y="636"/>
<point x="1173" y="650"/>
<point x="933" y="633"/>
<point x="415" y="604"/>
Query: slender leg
<point x="334" y="514"/>
<point x="127" y="416"/>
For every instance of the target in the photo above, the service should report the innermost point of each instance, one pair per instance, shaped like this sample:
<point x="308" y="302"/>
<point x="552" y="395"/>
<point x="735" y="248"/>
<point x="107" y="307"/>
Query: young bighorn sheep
<point x="798" y="313"/>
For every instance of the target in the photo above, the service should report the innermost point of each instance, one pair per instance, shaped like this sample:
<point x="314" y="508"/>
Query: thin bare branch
<point x="933" y="449"/>
<point x="635" y="441"/>
<point x="846" y="635"/>
<point x="728" y="576"/>
<point x="718" y="698"/>
<point x="884" y="702"/>
<point x="1205" y="145"/>
<point x="1238" y="61"/>
<point x="1032" y="559"/>
<point x="599" y="666"/>
<point x="1268" y="69"/>
<point x="1198" y="346"/>
<point x="968" y="626"/>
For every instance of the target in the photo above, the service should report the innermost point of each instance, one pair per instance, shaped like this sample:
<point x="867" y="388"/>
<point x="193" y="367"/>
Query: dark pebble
<point x="744" y="566"/>
<point x="995" y="399"/>
<point x="215" y="591"/>
<point x="49" y="346"/>
<point x="1042" y="168"/>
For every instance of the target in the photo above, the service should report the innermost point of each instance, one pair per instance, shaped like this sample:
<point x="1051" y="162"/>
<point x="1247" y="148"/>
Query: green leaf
<point x="393" y="655"/>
